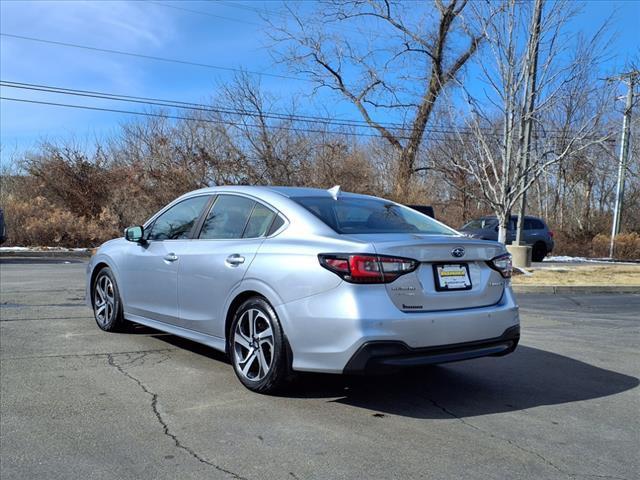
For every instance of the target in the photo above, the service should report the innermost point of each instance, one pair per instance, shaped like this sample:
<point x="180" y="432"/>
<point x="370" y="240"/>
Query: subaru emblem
<point x="457" y="252"/>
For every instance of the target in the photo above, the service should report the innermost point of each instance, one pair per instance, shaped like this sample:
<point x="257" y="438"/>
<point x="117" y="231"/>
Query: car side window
<point x="177" y="222"/>
<point x="260" y="220"/>
<point x="275" y="226"/>
<point x="227" y="218"/>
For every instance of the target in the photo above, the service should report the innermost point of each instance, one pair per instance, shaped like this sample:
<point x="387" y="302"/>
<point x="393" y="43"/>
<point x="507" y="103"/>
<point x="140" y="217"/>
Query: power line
<point x="207" y="14"/>
<point x="265" y="12"/>
<point x="444" y="134"/>
<point x="349" y="123"/>
<point x="151" y="57"/>
<point x="189" y="105"/>
<point x="244" y="7"/>
<point x="207" y="108"/>
<point x="179" y="117"/>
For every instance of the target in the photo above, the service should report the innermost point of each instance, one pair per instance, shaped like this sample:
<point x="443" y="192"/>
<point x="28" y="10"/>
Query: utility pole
<point x="630" y="78"/>
<point x="530" y="99"/>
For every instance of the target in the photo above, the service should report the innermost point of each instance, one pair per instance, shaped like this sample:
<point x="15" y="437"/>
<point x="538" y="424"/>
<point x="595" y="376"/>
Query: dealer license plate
<point x="452" y="276"/>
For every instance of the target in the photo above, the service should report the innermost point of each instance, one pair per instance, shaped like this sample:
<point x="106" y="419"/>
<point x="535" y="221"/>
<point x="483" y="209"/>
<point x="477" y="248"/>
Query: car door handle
<point x="171" y="257"/>
<point x="235" y="260"/>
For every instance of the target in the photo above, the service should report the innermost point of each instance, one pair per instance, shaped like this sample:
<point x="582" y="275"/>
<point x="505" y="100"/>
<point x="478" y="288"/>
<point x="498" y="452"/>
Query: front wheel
<point x="107" y="305"/>
<point x="257" y="347"/>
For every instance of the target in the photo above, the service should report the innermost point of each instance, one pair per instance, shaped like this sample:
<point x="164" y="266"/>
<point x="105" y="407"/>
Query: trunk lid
<point x="418" y="291"/>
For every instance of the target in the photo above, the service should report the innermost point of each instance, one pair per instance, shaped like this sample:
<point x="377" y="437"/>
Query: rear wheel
<point x="107" y="305"/>
<point x="257" y="347"/>
<point x="539" y="252"/>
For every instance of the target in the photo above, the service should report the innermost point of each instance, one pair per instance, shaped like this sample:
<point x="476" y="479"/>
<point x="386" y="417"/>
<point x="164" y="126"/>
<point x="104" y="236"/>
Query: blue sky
<point x="150" y="28"/>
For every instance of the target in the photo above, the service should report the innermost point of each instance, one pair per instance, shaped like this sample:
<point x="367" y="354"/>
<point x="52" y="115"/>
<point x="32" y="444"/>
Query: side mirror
<point x="134" y="234"/>
<point x="497" y="228"/>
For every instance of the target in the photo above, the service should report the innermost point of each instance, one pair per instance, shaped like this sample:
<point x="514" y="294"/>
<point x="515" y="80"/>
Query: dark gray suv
<point x="535" y="233"/>
<point x="3" y="229"/>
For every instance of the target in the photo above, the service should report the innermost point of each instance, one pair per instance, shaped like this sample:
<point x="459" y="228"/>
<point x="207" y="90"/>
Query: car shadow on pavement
<point x="529" y="377"/>
<point x="183" y="343"/>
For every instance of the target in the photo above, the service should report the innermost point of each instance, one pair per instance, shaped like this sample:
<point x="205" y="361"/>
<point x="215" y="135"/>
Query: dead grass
<point x="581" y="275"/>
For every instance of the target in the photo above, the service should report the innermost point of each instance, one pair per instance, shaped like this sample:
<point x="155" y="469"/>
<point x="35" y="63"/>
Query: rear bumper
<point x="326" y="331"/>
<point x="383" y="356"/>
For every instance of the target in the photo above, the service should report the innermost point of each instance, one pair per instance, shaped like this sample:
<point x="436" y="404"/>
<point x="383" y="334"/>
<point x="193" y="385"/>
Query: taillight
<point x="361" y="268"/>
<point x="502" y="264"/>
<point x="551" y="233"/>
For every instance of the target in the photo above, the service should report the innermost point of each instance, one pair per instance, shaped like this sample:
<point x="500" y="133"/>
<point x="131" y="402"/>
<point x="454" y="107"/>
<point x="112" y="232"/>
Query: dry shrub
<point x="71" y="179"/>
<point x="627" y="246"/>
<point x="351" y="171"/>
<point x="571" y="244"/>
<point x="37" y="222"/>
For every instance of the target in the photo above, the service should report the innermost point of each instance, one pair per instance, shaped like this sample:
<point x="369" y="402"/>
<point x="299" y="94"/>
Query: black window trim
<point x="246" y="224"/>
<point x="151" y="222"/>
<point x="205" y="214"/>
<point x="197" y="227"/>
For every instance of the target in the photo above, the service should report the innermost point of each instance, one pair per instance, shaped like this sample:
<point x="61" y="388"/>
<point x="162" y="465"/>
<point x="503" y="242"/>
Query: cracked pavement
<point x="76" y="402"/>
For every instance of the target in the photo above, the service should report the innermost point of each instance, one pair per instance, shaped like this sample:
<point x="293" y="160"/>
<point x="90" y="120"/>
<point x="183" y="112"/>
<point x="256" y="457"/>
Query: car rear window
<point x="480" y="224"/>
<point x="370" y="215"/>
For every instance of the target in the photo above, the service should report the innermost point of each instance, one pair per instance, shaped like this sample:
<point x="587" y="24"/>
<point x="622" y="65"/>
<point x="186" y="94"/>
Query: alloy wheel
<point x="253" y="345"/>
<point x="104" y="300"/>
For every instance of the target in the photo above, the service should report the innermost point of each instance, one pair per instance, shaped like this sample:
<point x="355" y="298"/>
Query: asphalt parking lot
<point x="77" y="403"/>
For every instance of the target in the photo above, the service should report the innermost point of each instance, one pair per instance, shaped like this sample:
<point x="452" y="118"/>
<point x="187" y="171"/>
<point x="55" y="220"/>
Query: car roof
<point x="284" y="191"/>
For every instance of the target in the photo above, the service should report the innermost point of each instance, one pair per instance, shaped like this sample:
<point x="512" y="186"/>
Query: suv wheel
<point x="257" y="347"/>
<point x="539" y="252"/>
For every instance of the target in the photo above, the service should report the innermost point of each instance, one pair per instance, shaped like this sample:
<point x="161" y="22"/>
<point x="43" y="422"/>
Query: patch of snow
<point x="565" y="258"/>
<point x="568" y="259"/>
<point x="41" y="249"/>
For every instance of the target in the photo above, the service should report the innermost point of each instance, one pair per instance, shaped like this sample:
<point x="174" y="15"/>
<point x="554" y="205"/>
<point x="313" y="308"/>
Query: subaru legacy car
<point x="289" y="280"/>
<point x="534" y="233"/>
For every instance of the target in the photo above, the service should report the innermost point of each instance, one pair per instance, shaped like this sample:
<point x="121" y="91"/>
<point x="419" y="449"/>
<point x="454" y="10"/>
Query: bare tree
<point x="384" y="55"/>
<point x="275" y="145"/>
<point x="494" y="131"/>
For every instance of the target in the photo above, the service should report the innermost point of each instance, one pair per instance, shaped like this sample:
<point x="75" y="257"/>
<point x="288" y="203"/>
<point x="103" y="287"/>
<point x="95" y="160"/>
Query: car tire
<point x="106" y="301"/>
<point x="539" y="252"/>
<point x="258" y="348"/>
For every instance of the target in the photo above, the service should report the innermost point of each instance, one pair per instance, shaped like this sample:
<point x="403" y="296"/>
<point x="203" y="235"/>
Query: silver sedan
<point x="290" y="279"/>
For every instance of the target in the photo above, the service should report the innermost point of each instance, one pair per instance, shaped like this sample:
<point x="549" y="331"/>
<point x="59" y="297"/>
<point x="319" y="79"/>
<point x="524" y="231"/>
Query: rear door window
<point x="227" y="218"/>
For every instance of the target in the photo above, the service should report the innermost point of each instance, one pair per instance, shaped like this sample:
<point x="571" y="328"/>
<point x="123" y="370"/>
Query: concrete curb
<point x="576" y="289"/>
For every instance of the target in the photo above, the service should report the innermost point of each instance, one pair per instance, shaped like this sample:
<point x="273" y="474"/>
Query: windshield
<point x="370" y="215"/>
<point x="480" y="224"/>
